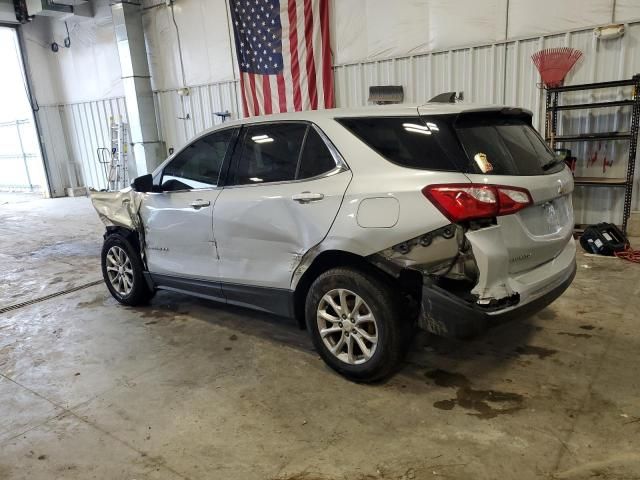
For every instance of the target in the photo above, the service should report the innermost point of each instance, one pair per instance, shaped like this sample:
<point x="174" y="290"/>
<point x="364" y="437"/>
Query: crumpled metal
<point x="120" y="209"/>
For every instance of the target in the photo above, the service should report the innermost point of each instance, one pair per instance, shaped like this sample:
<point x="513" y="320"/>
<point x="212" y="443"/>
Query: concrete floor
<point x="186" y="388"/>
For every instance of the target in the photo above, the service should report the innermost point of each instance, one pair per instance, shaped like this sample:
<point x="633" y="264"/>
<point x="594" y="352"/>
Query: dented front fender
<point x="120" y="209"/>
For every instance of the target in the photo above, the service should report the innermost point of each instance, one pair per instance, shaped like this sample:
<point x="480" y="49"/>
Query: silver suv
<point x="360" y="224"/>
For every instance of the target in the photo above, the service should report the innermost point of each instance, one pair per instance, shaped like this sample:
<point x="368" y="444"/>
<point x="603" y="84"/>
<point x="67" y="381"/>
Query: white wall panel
<point x="88" y="70"/>
<point x="366" y="29"/>
<point x="627" y="10"/>
<point x="538" y="17"/>
<point x="204" y="38"/>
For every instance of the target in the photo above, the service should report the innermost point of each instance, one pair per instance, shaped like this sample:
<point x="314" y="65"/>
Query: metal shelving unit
<point x="631" y="135"/>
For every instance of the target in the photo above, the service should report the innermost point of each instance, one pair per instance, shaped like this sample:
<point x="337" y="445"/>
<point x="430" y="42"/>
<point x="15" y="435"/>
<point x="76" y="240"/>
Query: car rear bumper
<point x="449" y="315"/>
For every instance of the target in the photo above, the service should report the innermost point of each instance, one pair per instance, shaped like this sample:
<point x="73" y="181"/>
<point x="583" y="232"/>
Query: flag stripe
<point x="245" y="107"/>
<point x="295" y="66"/>
<point x="286" y="55"/>
<point x="311" y="67"/>
<point x="282" y="94"/>
<point x="266" y="93"/>
<point x="327" y="72"/>
<point x="317" y="52"/>
<point x="252" y="84"/>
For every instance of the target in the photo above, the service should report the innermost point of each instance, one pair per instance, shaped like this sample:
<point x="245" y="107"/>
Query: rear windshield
<point x="486" y="143"/>
<point x="504" y="145"/>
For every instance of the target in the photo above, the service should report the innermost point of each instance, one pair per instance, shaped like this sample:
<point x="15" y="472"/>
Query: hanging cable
<point x="32" y="101"/>
<point x="173" y="17"/>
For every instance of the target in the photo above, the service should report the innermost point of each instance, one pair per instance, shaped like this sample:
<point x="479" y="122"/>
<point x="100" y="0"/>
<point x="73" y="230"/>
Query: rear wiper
<point x="552" y="163"/>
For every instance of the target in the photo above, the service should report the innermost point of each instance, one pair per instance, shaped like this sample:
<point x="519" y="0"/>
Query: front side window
<point x="199" y="164"/>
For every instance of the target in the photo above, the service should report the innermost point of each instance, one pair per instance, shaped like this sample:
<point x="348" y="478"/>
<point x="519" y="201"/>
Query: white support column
<point x="148" y="150"/>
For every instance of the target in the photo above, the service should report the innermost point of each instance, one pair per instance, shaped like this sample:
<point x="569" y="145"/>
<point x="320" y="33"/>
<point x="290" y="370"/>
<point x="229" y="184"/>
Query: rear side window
<point x="316" y="158"/>
<point x="268" y="153"/>
<point x="407" y="141"/>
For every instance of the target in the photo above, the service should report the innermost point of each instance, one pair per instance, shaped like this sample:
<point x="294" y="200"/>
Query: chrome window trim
<point x="169" y="192"/>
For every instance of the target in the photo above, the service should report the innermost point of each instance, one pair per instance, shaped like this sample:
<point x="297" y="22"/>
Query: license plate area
<point x="547" y="218"/>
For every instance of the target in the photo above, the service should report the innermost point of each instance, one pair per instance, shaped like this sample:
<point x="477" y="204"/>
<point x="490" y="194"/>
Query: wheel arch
<point x="404" y="279"/>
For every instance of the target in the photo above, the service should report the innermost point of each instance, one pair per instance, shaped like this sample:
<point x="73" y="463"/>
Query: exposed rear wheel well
<point x="407" y="281"/>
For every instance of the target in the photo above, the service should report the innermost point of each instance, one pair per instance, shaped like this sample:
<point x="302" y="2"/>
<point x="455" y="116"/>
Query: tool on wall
<point x="554" y="64"/>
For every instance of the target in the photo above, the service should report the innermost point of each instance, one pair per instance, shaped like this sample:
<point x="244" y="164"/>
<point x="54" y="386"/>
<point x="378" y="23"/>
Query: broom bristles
<point x="554" y="64"/>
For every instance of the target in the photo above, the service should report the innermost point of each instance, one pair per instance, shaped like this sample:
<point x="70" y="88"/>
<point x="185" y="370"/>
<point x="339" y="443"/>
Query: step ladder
<point x="114" y="160"/>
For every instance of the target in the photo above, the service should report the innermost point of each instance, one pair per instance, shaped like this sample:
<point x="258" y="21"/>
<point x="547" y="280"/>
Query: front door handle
<point x="307" y="197"/>
<point x="198" y="204"/>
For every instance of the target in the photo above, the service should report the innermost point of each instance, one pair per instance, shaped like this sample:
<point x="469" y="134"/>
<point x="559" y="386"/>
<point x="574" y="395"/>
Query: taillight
<point x="467" y="201"/>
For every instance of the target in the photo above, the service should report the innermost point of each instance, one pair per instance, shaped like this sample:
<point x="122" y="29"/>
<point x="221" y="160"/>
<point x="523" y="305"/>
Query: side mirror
<point x="143" y="183"/>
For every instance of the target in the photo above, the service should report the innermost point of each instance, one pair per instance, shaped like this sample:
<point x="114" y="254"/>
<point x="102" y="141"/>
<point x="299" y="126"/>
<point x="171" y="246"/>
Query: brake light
<point x="468" y="201"/>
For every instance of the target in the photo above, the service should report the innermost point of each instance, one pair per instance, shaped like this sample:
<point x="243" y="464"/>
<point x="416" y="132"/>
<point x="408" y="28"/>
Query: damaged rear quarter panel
<point x="374" y="177"/>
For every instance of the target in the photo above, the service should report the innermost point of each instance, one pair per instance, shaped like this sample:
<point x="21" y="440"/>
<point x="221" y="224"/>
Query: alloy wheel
<point x="347" y="326"/>
<point x="119" y="270"/>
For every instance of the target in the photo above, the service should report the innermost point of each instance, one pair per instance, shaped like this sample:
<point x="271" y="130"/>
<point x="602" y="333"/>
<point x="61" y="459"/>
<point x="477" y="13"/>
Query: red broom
<point x="554" y="64"/>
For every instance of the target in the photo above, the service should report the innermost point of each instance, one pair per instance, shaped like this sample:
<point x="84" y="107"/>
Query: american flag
<point x="284" y="55"/>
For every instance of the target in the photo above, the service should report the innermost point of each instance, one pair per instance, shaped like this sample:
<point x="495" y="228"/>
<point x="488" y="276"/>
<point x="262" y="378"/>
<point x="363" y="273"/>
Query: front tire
<point x="354" y="319"/>
<point x="122" y="271"/>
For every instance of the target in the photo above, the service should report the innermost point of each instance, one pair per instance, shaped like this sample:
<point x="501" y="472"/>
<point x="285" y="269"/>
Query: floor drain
<point x="47" y="297"/>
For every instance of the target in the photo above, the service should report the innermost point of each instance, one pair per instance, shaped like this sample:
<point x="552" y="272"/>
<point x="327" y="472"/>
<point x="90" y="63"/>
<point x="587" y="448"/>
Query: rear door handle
<point x="198" y="204"/>
<point x="307" y="197"/>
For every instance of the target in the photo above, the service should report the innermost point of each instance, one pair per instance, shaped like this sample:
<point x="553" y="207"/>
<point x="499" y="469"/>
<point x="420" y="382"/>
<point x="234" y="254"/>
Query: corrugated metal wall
<point x="72" y="134"/>
<point x="495" y="73"/>
<point x="182" y="117"/>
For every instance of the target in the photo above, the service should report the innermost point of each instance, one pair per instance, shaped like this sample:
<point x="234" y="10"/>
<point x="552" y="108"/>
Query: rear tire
<point x="356" y="324"/>
<point x="122" y="271"/>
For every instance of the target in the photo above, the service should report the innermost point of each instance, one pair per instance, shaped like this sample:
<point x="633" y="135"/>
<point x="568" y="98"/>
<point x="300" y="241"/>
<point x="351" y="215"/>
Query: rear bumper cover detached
<point x="446" y="314"/>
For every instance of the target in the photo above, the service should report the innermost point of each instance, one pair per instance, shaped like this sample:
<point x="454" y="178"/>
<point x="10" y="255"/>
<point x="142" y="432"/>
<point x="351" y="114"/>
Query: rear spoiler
<point x="447" y="97"/>
<point x="509" y="112"/>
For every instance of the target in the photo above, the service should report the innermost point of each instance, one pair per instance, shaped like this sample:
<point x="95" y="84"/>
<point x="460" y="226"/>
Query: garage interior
<point x="192" y="389"/>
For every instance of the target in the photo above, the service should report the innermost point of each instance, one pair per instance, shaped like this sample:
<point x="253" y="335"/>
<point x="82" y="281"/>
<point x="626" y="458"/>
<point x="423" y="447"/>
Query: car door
<point x="178" y="220"/>
<point x="282" y="194"/>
